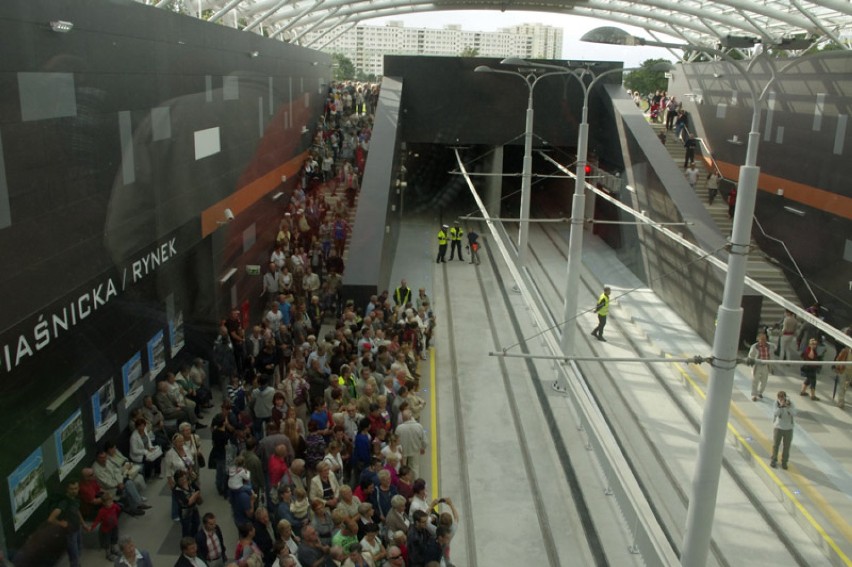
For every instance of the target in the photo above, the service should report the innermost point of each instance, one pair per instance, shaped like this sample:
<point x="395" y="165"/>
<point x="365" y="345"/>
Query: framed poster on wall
<point x="131" y="378"/>
<point x="27" y="487"/>
<point x="70" y="444"/>
<point x="103" y="409"/>
<point x="176" y="338"/>
<point x="175" y="319"/>
<point x="156" y="355"/>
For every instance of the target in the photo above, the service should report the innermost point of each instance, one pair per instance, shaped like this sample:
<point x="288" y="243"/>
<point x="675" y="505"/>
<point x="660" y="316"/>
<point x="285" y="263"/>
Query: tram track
<point x="674" y="519"/>
<point x="548" y="539"/>
<point x="461" y="443"/>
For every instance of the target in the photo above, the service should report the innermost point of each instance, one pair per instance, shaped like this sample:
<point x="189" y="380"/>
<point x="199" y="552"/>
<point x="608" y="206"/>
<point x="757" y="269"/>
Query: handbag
<point x="200" y="463"/>
<point x="155" y="454"/>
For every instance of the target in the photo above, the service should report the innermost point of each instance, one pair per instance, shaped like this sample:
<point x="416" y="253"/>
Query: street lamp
<point x="530" y="75"/>
<point x="578" y="207"/>
<point x="705" y="484"/>
<point x="578" y="203"/>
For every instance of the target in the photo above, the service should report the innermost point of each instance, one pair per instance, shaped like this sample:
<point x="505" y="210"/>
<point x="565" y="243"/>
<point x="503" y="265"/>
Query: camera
<point x="441" y="501"/>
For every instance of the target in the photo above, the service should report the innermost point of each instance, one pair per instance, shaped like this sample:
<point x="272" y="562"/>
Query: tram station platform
<point x="505" y="446"/>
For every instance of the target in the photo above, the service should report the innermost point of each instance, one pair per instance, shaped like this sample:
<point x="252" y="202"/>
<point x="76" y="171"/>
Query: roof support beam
<point x="225" y="9"/>
<point x="702" y="22"/>
<point x="817" y="23"/>
<point x="297" y="17"/>
<point x="328" y="30"/>
<point x="259" y="20"/>
<point x="664" y="11"/>
<point x="315" y="25"/>
<point x="761" y="31"/>
<point x="675" y="54"/>
<point x="842" y="6"/>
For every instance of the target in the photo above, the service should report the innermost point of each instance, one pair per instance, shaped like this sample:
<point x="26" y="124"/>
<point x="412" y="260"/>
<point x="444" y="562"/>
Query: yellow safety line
<point x="817" y="498"/>
<point x="433" y="414"/>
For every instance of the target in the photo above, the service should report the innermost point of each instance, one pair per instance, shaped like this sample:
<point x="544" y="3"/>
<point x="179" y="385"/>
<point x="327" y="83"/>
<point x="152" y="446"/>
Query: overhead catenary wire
<point x="568" y="220"/>
<point x="538" y="178"/>
<point x="697" y="359"/>
<point x="628" y="292"/>
<point x="688" y="360"/>
<point x="833" y="332"/>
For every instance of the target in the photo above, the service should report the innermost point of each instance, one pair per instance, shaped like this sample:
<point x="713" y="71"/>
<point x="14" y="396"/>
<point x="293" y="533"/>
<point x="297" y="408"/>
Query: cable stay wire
<point x="661" y="277"/>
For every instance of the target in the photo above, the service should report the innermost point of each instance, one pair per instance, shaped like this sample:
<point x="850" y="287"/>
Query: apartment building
<point x="366" y="45"/>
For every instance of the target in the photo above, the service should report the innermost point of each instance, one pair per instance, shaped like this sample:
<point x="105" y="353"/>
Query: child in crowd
<point x="240" y="478"/>
<point x="107" y="520"/>
<point x="300" y="505"/>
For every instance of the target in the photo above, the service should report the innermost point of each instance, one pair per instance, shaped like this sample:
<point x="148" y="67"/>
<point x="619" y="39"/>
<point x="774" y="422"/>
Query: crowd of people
<point x="796" y="341"/>
<point x="319" y="442"/>
<point x="316" y="442"/>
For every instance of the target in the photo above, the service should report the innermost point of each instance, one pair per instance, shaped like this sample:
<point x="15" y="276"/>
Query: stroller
<point x="655" y="112"/>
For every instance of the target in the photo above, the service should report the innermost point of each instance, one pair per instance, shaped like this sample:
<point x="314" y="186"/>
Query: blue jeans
<point x="74" y="545"/>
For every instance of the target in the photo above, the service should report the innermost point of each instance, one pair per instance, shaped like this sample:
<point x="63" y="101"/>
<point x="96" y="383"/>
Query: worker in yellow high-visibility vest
<point x="602" y="309"/>
<point x="456" y="234"/>
<point x="442" y="244"/>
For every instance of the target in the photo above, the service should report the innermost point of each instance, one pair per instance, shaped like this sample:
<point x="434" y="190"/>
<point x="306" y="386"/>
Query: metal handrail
<point x="754" y="218"/>
<point x="715" y="166"/>
<point x="795" y="264"/>
<point x="790" y="256"/>
<point x="705" y="149"/>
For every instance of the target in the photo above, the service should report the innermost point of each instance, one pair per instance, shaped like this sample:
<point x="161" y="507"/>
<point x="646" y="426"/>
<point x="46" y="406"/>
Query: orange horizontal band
<point x="809" y="195"/>
<point x="246" y="196"/>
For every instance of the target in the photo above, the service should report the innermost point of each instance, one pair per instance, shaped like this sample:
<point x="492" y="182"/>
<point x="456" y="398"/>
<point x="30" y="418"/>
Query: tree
<point x="365" y="77"/>
<point x="344" y="69"/>
<point x="645" y="80"/>
<point x="470" y="52"/>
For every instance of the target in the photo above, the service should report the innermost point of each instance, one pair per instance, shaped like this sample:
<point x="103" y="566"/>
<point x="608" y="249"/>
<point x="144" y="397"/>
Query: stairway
<point x="761" y="267"/>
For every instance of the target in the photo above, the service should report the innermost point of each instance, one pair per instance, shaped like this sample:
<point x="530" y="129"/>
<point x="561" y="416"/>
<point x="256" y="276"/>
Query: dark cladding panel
<point x="86" y="218"/>
<point x="806" y="111"/>
<point x="446" y="102"/>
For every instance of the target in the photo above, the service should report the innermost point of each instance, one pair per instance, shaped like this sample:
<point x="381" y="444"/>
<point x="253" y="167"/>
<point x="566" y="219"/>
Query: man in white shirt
<point x="310" y="283"/>
<point x="270" y="283"/>
<point x="761" y="350"/>
<point x="692" y="175"/>
<point x="412" y="438"/>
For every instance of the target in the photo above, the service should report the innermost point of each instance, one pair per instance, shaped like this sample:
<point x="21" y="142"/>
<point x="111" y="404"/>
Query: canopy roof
<point x="698" y="22"/>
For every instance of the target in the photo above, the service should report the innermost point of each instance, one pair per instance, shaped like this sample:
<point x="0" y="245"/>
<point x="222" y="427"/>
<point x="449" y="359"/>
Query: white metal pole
<point x="526" y="182"/>
<point x="575" y="239"/>
<point x="714" y="422"/>
<point x="578" y="212"/>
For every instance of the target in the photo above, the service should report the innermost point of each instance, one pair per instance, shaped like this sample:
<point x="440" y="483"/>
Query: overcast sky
<point x="573" y="27"/>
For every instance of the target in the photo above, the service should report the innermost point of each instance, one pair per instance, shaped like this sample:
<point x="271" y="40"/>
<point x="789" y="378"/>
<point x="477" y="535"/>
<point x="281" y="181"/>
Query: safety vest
<point x="348" y="382"/>
<point x="456" y="233"/>
<point x="442" y="238"/>
<point x="402" y="295"/>
<point x="603" y="302"/>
